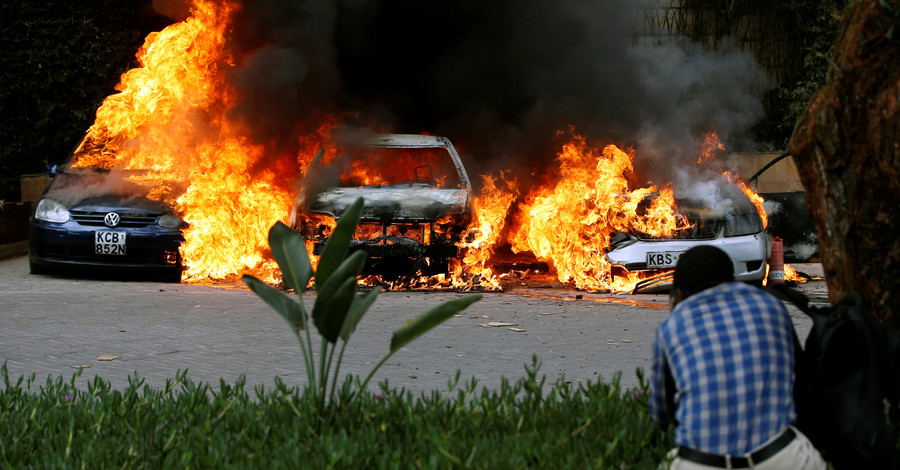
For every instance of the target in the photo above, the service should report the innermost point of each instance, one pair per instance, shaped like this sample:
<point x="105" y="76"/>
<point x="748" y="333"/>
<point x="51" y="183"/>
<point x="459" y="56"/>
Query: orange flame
<point x="473" y="271"/>
<point x="387" y="166"/>
<point x="570" y="224"/>
<point x="757" y="201"/>
<point x="710" y="148"/>
<point x="169" y="120"/>
<point x="754" y="197"/>
<point x="490" y="211"/>
<point x="791" y="274"/>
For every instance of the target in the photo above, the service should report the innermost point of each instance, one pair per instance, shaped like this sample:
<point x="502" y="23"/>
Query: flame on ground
<point x="491" y="209"/>
<point x="791" y="274"/>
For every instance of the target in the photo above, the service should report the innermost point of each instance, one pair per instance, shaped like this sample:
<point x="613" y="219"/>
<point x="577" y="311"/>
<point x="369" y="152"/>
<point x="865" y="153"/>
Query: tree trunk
<point x="847" y="149"/>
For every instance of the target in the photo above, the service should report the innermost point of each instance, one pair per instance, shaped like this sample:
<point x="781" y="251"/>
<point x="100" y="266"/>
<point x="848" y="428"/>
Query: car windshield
<point x="91" y="173"/>
<point x="89" y="156"/>
<point x="735" y="212"/>
<point x="95" y="157"/>
<point x="394" y="166"/>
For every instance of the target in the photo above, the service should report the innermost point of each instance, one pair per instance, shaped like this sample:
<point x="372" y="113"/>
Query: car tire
<point x="172" y="278"/>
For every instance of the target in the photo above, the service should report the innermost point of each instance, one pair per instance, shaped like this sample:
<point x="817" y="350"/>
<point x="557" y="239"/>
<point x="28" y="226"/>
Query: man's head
<point x="698" y="269"/>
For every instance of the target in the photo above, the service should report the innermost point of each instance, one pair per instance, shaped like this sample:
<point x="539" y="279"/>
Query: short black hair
<point x="702" y="267"/>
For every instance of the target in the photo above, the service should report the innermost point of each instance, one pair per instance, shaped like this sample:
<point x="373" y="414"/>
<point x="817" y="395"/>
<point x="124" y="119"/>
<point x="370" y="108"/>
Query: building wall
<point x="781" y="177"/>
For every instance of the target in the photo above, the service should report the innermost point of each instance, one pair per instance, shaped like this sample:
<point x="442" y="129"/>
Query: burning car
<point x="735" y="226"/>
<point x="96" y="219"/>
<point x="418" y="201"/>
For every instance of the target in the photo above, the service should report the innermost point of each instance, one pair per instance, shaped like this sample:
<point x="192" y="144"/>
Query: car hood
<point x="133" y="205"/>
<point x="393" y="203"/>
<point x="98" y="192"/>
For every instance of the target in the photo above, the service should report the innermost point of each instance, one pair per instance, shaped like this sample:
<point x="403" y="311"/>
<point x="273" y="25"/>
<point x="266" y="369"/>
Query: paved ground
<point x="51" y="325"/>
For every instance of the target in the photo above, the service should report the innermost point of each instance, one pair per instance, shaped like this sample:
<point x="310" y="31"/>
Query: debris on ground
<point x="495" y="324"/>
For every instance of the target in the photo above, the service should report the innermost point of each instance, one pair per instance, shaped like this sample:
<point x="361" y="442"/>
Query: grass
<point x="188" y="425"/>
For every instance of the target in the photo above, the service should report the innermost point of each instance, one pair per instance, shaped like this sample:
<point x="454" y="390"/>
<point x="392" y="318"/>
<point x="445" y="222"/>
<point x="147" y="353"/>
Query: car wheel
<point x="172" y="278"/>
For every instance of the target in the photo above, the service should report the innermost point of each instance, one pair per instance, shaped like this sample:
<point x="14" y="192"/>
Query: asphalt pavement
<point x="52" y="326"/>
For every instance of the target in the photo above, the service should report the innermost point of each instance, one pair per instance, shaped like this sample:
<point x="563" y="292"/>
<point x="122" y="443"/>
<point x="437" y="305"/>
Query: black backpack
<point x="847" y="383"/>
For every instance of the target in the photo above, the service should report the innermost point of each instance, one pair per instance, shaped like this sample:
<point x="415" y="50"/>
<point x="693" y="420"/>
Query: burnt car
<point x="732" y="223"/>
<point x="417" y="201"/>
<point x="97" y="220"/>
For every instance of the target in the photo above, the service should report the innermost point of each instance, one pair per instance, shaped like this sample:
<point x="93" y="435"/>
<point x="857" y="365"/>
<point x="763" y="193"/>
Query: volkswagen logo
<point x="111" y="220"/>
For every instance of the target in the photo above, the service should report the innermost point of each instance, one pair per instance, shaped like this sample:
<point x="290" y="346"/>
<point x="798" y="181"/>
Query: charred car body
<point x="95" y="220"/>
<point x="418" y="201"/>
<point x="733" y="224"/>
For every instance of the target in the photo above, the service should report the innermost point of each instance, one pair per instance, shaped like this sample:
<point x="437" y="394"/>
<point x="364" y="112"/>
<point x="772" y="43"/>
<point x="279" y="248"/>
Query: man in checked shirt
<point x="723" y="372"/>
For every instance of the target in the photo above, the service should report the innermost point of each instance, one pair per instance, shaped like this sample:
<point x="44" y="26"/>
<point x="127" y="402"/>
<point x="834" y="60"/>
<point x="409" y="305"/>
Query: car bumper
<point x="68" y="247"/>
<point x="747" y="252"/>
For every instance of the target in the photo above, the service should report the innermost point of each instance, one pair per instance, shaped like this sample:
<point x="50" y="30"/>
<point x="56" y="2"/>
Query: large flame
<point x="569" y="224"/>
<point x="169" y="119"/>
<point x="491" y="209"/>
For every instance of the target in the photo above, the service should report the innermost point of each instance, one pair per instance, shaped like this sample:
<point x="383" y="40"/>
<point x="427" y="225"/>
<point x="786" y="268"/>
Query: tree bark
<point x="846" y="149"/>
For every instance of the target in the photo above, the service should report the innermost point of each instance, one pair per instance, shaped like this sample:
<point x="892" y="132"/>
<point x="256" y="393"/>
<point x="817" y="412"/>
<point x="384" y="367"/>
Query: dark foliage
<point x="790" y="40"/>
<point x="59" y="60"/>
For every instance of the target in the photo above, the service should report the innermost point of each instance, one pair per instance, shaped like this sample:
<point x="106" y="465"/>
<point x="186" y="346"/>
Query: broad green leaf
<point x="331" y="305"/>
<point x="357" y="309"/>
<point x="329" y="324"/>
<point x="350" y="268"/>
<point x="338" y="243"/>
<point x="289" y="251"/>
<point x="290" y="310"/>
<point x="430" y="319"/>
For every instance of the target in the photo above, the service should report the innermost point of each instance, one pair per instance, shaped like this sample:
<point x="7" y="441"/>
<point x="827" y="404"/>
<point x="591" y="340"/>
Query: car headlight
<point x="51" y="211"/>
<point x="170" y="221"/>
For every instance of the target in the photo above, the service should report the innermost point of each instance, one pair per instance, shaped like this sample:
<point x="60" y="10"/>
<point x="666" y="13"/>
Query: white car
<point x="736" y="228"/>
<point x="417" y="201"/>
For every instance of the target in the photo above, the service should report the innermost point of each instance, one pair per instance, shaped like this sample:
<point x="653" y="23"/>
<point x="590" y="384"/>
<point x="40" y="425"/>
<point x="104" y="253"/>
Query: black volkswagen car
<point x="99" y="220"/>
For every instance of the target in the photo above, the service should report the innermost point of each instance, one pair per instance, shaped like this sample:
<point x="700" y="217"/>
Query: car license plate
<point x="109" y="243"/>
<point x="663" y="259"/>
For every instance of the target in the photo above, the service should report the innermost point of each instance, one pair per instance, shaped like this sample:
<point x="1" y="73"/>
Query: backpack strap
<point x="883" y="349"/>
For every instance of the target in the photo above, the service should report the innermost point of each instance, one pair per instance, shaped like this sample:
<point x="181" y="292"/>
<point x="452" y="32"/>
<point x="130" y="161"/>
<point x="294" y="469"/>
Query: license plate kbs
<point x="663" y="259"/>
<point x="109" y="243"/>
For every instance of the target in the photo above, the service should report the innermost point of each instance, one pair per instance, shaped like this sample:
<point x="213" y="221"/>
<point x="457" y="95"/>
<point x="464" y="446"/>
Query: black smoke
<point x="500" y="78"/>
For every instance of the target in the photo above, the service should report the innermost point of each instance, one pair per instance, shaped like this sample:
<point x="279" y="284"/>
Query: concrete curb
<point x="11" y="250"/>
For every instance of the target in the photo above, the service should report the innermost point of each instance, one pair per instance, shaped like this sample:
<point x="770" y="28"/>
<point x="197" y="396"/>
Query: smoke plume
<point x="500" y="78"/>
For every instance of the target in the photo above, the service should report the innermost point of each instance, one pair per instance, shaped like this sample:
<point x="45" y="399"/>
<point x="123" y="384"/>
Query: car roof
<point x="401" y="140"/>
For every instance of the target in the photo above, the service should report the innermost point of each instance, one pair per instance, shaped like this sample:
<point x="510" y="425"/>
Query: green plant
<point x="337" y="309"/>
<point x="523" y="423"/>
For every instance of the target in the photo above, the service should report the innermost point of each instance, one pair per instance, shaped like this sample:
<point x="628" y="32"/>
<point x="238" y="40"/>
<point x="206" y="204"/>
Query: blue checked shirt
<point x="730" y="353"/>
